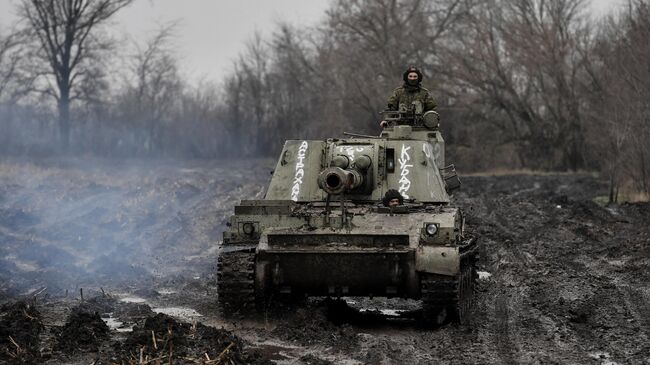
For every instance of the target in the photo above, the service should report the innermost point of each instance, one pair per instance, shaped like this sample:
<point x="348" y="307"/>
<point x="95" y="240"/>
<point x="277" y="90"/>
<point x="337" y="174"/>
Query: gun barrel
<point x="335" y="180"/>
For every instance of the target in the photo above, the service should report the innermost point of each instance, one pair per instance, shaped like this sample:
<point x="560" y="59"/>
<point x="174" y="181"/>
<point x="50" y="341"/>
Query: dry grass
<point x="628" y="194"/>
<point x="508" y="172"/>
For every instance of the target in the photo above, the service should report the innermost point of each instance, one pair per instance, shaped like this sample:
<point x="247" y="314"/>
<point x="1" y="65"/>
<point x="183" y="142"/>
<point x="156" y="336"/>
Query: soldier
<point x="392" y="198"/>
<point x="411" y="92"/>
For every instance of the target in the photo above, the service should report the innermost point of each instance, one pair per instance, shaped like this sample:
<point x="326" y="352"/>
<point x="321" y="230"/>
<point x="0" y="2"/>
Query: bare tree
<point x="234" y="111"/>
<point x="337" y="74"/>
<point x="64" y="31"/>
<point x="520" y="66"/>
<point x="376" y="40"/>
<point x="294" y="94"/>
<point x="254" y="66"/>
<point x="14" y="81"/>
<point x="248" y="98"/>
<point x="153" y="89"/>
<point x="621" y="110"/>
<point x="15" y="85"/>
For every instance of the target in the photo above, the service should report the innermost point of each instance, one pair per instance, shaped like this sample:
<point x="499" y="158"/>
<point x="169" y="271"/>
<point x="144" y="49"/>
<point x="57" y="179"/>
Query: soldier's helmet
<point x="392" y="194"/>
<point x="412" y="69"/>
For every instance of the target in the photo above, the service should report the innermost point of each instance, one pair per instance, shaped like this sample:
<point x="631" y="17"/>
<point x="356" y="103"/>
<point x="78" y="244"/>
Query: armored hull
<point x="321" y="229"/>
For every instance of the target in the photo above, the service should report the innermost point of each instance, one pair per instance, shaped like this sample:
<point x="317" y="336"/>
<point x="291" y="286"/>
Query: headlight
<point x="248" y="228"/>
<point x="432" y="229"/>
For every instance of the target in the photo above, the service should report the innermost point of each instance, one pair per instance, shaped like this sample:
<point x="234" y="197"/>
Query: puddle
<point x="617" y="263"/>
<point x="166" y="291"/>
<point x="116" y="325"/>
<point x="272" y="352"/>
<point x="179" y="312"/>
<point x="604" y="358"/>
<point x="280" y="354"/>
<point x="385" y="312"/>
<point x="483" y="275"/>
<point x="136" y="300"/>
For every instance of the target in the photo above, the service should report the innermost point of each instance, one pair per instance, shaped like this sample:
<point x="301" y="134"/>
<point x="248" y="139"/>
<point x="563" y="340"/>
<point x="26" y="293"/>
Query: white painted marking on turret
<point x="404" y="166"/>
<point x="431" y="151"/>
<point x="426" y="148"/>
<point x="428" y="153"/>
<point x="350" y="151"/>
<point x="300" y="170"/>
<point x="436" y="152"/>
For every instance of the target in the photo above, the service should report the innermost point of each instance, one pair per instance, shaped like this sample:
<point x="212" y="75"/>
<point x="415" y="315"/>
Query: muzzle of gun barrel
<point x="335" y="180"/>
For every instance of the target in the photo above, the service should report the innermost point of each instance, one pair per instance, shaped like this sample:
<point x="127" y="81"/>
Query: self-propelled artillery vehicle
<point x="322" y="230"/>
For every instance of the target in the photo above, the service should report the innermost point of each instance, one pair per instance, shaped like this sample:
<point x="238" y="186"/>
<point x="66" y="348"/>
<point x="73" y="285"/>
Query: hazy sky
<point x="211" y="33"/>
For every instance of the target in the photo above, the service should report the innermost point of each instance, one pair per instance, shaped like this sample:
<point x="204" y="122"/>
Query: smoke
<point x="71" y="223"/>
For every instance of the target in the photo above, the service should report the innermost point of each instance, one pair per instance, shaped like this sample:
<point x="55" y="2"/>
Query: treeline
<point x="536" y="84"/>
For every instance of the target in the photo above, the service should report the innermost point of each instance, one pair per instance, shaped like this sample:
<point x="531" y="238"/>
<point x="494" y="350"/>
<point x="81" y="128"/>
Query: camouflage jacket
<point x="404" y="96"/>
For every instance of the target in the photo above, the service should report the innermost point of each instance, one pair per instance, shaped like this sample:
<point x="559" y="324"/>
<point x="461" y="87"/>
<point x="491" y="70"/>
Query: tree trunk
<point x="613" y="188"/>
<point x="64" y="119"/>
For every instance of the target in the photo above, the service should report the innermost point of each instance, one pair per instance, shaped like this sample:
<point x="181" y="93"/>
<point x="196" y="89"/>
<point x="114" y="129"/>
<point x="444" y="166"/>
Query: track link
<point x="236" y="283"/>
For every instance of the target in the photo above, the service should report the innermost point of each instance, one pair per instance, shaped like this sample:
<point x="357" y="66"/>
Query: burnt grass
<point x="83" y="331"/>
<point x="162" y="337"/>
<point x="20" y="327"/>
<point x="564" y="278"/>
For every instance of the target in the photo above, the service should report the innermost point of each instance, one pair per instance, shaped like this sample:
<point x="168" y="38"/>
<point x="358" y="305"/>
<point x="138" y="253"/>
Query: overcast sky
<point x="211" y="33"/>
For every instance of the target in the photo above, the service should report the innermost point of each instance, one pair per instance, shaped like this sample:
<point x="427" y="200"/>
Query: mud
<point x="20" y="328"/>
<point x="563" y="277"/>
<point x="307" y="325"/>
<point x="164" y="338"/>
<point x="84" y="331"/>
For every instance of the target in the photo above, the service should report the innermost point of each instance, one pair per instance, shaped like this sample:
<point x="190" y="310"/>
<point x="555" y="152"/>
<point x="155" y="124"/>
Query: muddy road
<point x="113" y="263"/>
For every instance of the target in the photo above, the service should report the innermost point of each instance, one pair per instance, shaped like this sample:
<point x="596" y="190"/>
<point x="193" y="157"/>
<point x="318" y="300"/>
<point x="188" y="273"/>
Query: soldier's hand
<point x="383" y="124"/>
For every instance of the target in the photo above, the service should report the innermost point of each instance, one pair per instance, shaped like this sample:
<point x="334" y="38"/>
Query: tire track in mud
<point x="616" y="322"/>
<point x="638" y="303"/>
<point x="503" y="341"/>
<point x="502" y="254"/>
<point x="513" y="255"/>
<point x="503" y="313"/>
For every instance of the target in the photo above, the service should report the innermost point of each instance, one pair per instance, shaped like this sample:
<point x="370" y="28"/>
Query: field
<point x="114" y="262"/>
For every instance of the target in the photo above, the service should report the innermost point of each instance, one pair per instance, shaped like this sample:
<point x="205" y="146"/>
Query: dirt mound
<point x="162" y="337"/>
<point x="84" y="330"/>
<point x="20" y="327"/>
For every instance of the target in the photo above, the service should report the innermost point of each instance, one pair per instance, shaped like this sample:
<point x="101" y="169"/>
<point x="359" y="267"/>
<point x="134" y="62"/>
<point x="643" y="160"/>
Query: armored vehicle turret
<point x="322" y="230"/>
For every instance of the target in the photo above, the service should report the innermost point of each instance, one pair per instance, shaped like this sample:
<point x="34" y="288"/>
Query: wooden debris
<point x="153" y="339"/>
<point x="221" y="355"/>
